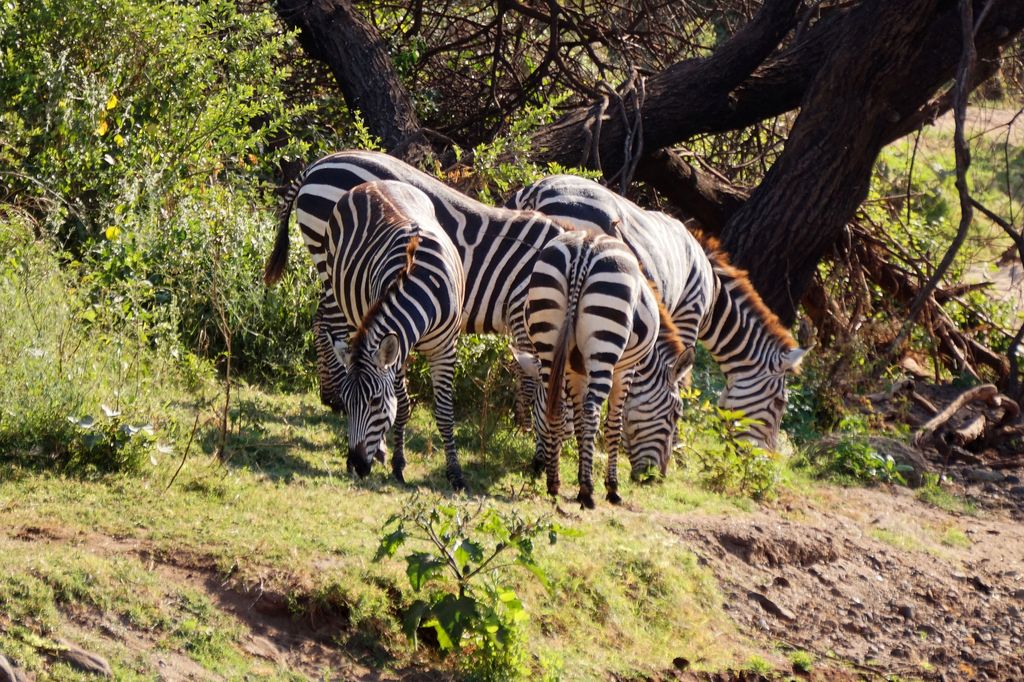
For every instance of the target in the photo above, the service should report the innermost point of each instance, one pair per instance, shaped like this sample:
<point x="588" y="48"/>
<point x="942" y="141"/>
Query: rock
<point x="1018" y="594"/>
<point x="1011" y="479"/>
<point x="80" y="659"/>
<point x="905" y="456"/>
<point x="770" y="606"/>
<point x="681" y="663"/>
<point x="981" y="585"/>
<point x="262" y="647"/>
<point x="1017" y="491"/>
<point x="981" y="475"/>
<point x="907" y="611"/>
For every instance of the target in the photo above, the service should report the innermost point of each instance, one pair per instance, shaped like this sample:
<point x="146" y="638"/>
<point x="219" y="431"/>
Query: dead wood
<point x="926" y="433"/>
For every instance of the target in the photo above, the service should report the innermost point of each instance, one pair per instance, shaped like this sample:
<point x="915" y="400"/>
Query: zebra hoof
<point x="399" y="475"/>
<point x="586" y="500"/>
<point x="536" y="467"/>
<point x="457" y="483"/>
<point x="613" y="497"/>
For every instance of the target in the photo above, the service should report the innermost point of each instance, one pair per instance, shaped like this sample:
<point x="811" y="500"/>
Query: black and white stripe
<point x="591" y="316"/>
<point x="395" y="272"/>
<point x="497" y="245"/>
<point x="707" y="298"/>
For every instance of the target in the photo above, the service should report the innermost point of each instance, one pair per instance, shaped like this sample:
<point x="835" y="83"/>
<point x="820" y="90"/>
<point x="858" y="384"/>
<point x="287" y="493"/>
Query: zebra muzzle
<point x="358" y="461"/>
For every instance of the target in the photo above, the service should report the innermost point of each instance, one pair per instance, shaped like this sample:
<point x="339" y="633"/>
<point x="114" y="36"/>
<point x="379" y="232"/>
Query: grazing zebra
<point x="707" y="298"/>
<point x="394" y="272"/>
<point x="592" y="316"/>
<point x="497" y="245"/>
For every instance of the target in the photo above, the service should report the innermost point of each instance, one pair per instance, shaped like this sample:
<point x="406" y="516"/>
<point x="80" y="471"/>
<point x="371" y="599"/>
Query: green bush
<point x="202" y="259"/>
<point x="467" y="602"/>
<point x="724" y="461"/>
<point x="116" y="104"/>
<point x="59" y="364"/>
<point x="848" y="457"/>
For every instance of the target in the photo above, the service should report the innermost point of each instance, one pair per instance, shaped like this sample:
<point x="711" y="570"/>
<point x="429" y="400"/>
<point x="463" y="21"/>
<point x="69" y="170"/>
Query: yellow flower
<point x="112" y="232"/>
<point x="112" y="102"/>
<point x="102" y="128"/>
<point x="118" y="140"/>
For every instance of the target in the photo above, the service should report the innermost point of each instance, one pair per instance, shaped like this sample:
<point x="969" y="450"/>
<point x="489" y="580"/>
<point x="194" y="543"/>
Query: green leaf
<point x="390" y="543"/>
<point x="495" y="526"/>
<point x="452" y="616"/>
<point x="421" y="568"/>
<point x="532" y="567"/>
<point x="413" y="618"/>
<point x="466" y="551"/>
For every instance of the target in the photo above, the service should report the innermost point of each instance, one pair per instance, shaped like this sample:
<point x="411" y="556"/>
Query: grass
<point x="954" y="537"/>
<point x="284" y="514"/>
<point x="934" y="494"/>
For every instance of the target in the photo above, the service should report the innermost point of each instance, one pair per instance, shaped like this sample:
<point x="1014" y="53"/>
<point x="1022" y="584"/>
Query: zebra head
<point x="652" y="411"/>
<point x="366" y="394"/>
<point x="760" y="394"/>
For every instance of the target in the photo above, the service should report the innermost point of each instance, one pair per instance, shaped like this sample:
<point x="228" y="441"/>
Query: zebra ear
<point x="792" y="359"/>
<point x="387" y="351"/>
<point x="528" y="362"/>
<point x="684" y="363"/>
<point x="341" y="349"/>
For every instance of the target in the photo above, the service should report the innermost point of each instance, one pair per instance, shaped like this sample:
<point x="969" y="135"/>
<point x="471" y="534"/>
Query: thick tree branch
<point x="699" y="194"/>
<point x="678" y="100"/>
<point x="333" y="31"/>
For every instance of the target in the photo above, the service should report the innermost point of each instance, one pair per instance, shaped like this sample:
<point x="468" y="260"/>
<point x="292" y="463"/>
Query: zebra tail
<point x="556" y="381"/>
<point x="278" y="260"/>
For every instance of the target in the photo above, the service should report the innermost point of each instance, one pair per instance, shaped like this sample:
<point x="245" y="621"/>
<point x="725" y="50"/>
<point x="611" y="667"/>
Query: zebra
<point x="394" y="270"/>
<point x="497" y="245"/>
<point x="592" y="316"/>
<point x="708" y="298"/>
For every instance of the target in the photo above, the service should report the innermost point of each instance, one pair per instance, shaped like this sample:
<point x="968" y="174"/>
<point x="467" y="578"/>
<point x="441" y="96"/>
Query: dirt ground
<point x="824" y="576"/>
<point x="865" y="579"/>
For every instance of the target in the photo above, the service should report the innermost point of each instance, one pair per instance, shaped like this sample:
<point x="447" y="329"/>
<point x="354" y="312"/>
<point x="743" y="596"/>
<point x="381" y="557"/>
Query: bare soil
<point x="820" y="577"/>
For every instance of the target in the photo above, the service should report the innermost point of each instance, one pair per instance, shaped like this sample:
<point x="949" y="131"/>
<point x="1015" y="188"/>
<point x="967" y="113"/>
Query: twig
<point x="1013" y="385"/>
<point x="184" y="455"/>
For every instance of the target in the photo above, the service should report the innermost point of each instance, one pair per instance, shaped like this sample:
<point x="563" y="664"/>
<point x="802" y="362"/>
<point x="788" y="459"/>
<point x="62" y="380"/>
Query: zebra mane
<point x="360" y="337"/>
<point x="744" y="288"/>
<point x="668" y="331"/>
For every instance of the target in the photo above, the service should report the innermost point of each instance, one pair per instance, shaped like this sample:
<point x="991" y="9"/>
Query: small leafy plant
<point x="853" y="460"/>
<point x="727" y="462"/>
<point x="464" y="580"/>
<point x="110" y="444"/>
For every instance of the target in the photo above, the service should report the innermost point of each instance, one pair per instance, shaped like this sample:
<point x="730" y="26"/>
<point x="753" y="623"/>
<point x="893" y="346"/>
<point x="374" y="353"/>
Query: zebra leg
<point x="524" y="403"/>
<point x="401" y="419"/>
<point x="442" y="375"/>
<point x="587" y="424"/>
<point x="549" y="436"/>
<point x="328" y="322"/>
<point x="613" y="433"/>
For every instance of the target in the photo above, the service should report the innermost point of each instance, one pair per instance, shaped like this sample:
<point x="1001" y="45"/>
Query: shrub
<point x="468" y="603"/>
<point x="113" y="105"/>
<point x="726" y="462"/>
<point x="59" y="361"/>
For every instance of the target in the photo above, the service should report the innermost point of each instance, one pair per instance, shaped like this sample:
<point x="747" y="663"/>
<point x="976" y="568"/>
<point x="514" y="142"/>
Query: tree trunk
<point x="881" y="74"/>
<point x="332" y="31"/>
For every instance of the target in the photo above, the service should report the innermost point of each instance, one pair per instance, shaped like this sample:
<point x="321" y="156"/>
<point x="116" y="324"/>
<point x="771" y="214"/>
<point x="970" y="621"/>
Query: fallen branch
<point x="925" y="435"/>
